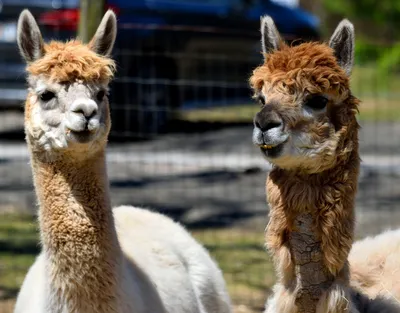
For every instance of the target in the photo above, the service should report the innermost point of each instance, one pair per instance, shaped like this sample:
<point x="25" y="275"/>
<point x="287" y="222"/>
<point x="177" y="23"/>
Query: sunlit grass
<point x="247" y="268"/>
<point x="18" y="246"/>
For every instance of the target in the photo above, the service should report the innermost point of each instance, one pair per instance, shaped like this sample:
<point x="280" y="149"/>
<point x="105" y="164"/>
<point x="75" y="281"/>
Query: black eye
<point x="100" y="95"/>
<point x="317" y="102"/>
<point x="47" y="96"/>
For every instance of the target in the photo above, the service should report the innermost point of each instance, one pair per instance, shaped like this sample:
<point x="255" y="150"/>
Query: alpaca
<point x="307" y="129"/>
<point x="95" y="259"/>
<point x="375" y="265"/>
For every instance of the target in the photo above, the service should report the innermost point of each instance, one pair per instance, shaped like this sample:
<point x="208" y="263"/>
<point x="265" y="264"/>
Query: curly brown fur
<point x="327" y="195"/>
<point x="312" y="186"/>
<point x="307" y="67"/>
<point x="307" y="129"/>
<point x="329" y="198"/>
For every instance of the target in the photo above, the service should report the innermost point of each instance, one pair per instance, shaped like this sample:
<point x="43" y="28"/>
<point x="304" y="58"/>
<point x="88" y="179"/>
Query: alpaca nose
<point x="87" y="107"/>
<point x="266" y="121"/>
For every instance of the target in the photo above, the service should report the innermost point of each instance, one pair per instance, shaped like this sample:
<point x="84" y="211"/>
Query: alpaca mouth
<point x="272" y="151"/>
<point x="83" y="136"/>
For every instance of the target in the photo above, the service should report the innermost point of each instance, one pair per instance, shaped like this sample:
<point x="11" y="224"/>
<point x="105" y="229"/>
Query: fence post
<point x="91" y="12"/>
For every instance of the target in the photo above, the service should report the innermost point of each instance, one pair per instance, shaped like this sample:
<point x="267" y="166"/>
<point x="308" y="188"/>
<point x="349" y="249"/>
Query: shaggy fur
<point x="95" y="259"/>
<point x="308" y="67"/>
<point x="375" y="265"/>
<point x="307" y="129"/>
<point x="66" y="62"/>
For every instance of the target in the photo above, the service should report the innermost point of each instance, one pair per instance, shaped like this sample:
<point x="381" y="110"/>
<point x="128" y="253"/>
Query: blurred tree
<point x="312" y="6"/>
<point x="317" y="8"/>
<point x="91" y="12"/>
<point x="376" y="20"/>
<point x="376" y="25"/>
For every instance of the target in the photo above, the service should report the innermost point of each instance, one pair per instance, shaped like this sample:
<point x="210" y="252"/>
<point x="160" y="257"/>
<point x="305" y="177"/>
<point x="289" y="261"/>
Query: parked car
<point x="171" y="54"/>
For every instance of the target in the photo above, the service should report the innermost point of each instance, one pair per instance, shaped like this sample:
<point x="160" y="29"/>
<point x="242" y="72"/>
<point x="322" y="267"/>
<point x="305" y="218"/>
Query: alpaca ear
<point x="342" y="43"/>
<point x="29" y="38"/>
<point x="270" y="38"/>
<point x="103" y="40"/>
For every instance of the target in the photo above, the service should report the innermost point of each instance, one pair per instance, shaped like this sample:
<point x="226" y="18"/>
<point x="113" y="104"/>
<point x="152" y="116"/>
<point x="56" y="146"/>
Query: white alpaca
<point x="375" y="265"/>
<point x="94" y="259"/>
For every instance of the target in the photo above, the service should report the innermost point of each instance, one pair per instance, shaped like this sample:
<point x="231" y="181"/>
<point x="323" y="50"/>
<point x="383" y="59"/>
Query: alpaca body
<point x="375" y="265"/>
<point x="309" y="243"/>
<point x="307" y="128"/>
<point x="166" y="270"/>
<point x="95" y="259"/>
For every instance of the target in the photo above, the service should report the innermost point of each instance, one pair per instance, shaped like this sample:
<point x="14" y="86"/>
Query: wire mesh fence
<point x="175" y="68"/>
<point x="181" y="145"/>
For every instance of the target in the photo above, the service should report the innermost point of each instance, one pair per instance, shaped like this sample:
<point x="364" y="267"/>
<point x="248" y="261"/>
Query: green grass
<point x="240" y="253"/>
<point x="368" y="80"/>
<point x="380" y="95"/>
<point x="18" y="246"/>
<point x="247" y="268"/>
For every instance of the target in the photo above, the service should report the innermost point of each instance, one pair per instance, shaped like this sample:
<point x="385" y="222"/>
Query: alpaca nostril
<point x="91" y="115"/>
<point x="268" y="125"/>
<point x="79" y="111"/>
<point x="88" y="114"/>
<point x="271" y="125"/>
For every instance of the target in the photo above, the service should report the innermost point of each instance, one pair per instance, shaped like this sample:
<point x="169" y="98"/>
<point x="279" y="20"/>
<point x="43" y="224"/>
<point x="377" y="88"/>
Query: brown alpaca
<point x="307" y="129"/>
<point x="95" y="259"/>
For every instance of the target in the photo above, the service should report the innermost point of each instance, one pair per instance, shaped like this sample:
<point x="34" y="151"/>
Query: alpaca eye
<point x="100" y="95"/>
<point x="47" y="96"/>
<point x="317" y="102"/>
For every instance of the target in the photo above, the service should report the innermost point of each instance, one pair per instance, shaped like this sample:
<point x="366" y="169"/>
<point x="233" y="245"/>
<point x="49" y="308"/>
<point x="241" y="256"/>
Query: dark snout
<point x="268" y="127"/>
<point x="267" y="119"/>
<point x="269" y="132"/>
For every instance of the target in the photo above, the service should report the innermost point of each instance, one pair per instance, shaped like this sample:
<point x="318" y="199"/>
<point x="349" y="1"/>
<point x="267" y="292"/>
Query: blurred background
<point x="182" y="121"/>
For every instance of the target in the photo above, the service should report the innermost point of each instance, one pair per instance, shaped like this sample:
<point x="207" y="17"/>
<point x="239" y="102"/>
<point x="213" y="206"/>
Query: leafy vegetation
<point x="376" y="24"/>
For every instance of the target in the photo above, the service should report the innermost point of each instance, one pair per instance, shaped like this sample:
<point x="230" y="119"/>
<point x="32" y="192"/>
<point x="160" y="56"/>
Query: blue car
<point x="171" y="54"/>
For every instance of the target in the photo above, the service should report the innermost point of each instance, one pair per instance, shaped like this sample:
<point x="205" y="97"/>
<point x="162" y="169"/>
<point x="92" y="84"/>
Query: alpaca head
<point x="67" y="106"/>
<point x="307" y="108"/>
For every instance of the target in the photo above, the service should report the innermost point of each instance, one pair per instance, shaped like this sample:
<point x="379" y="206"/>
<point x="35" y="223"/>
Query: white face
<point x="68" y="115"/>
<point x="65" y="116"/>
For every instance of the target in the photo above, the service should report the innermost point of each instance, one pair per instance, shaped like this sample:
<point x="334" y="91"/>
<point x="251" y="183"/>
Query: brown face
<point x="302" y="92"/>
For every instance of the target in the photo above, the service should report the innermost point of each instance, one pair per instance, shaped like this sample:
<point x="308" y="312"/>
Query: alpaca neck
<point x="77" y="231"/>
<point x="312" y="277"/>
<point x="308" y="203"/>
